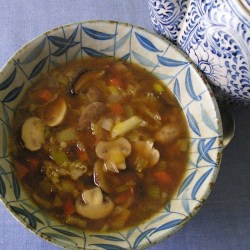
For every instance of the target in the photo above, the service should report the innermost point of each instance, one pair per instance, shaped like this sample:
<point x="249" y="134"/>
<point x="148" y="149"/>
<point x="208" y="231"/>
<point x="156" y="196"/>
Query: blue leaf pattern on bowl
<point x="204" y="149"/>
<point x="170" y="62"/>
<point x="143" y="60"/>
<point x="65" y="232"/>
<point x="142" y="236"/>
<point x="193" y="123"/>
<point x="27" y="215"/>
<point x="189" y="87"/>
<point x="38" y="68"/>
<point x="177" y="91"/>
<point x="185" y="202"/>
<point x="6" y="83"/>
<point x="106" y="237"/>
<point x="13" y="94"/>
<point x="2" y="187"/>
<point x="98" y="34"/>
<point x="108" y="246"/>
<point x="4" y="141"/>
<point x="186" y="182"/>
<point x="147" y="44"/>
<point x="111" y="39"/>
<point x="207" y="120"/>
<point x="16" y="186"/>
<point x="93" y="52"/>
<point x="35" y="52"/>
<point x="200" y="182"/>
<point x="167" y="225"/>
<point x="120" y="43"/>
<point x="59" y="237"/>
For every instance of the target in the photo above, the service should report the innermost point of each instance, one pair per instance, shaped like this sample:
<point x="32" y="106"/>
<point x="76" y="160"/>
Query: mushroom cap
<point x="167" y="134"/>
<point x="33" y="133"/>
<point x="84" y="79"/>
<point x="113" y="153"/>
<point x="120" y="145"/>
<point x="92" y="205"/>
<point x="55" y="112"/>
<point x="91" y="113"/>
<point x="146" y="150"/>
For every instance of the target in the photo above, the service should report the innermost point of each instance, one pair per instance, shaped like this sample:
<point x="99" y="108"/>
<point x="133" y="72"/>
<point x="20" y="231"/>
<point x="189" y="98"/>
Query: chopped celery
<point x="158" y="88"/>
<point x="59" y="157"/>
<point x="65" y="135"/>
<point x="162" y="165"/>
<point x="126" y="126"/>
<point x="154" y="191"/>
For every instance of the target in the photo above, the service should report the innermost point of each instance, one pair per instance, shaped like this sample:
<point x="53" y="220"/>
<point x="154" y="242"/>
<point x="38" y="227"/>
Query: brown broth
<point x="126" y="90"/>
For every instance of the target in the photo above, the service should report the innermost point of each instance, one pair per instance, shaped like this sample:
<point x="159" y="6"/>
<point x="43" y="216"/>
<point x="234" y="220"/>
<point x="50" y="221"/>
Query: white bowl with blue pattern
<point x="102" y="39"/>
<point x="215" y="35"/>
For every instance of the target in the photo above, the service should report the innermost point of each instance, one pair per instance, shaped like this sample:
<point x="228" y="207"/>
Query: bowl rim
<point x="205" y="82"/>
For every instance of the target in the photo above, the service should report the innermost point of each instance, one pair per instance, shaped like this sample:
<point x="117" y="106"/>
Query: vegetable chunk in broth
<point x="100" y="144"/>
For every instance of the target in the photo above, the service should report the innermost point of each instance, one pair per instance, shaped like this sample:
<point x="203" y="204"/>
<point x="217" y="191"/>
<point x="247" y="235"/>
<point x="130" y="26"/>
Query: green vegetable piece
<point x="59" y="157"/>
<point x="126" y="126"/>
<point x="66" y="135"/>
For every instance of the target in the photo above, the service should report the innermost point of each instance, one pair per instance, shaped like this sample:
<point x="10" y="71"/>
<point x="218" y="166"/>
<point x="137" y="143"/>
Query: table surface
<point x="224" y="221"/>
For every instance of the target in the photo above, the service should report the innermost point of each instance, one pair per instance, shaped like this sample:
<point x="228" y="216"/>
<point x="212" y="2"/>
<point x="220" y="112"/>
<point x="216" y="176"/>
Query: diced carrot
<point x="124" y="196"/>
<point x="33" y="164"/>
<point x="21" y="170"/>
<point x="117" y="109"/>
<point x="162" y="178"/>
<point x="82" y="155"/>
<point x="69" y="207"/>
<point x="117" y="82"/>
<point x="45" y="94"/>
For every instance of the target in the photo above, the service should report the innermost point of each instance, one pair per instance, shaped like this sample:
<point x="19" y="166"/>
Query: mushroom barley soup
<point x="100" y="144"/>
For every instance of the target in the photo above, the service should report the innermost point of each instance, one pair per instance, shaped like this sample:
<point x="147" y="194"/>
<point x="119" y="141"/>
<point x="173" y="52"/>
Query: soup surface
<point x="100" y="144"/>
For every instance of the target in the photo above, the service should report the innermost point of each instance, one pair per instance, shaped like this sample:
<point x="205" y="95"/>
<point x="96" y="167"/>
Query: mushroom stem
<point x="93" y="206"/>
<point x="113" y="153"/>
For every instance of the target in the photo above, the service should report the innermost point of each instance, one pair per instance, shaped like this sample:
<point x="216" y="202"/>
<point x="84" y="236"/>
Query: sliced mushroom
<point x="99" y="177"/>
<point x="167" y="134"/>
<point x="114" y="153"/>
<point x="145" y="151"/>
<point x="93" y="205"/>
<point x="90" y="114"/>
<point x="55" y="112"/>
<point x="33" y="133"/>
<point x="83" y="80"/>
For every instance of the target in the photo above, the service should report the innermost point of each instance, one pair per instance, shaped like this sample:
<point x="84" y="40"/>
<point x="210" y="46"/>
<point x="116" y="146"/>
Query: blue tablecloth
<point x="224" y="221"/>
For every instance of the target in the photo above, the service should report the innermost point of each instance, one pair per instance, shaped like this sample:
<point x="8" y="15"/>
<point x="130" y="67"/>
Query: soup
<point x="100" y="144"/>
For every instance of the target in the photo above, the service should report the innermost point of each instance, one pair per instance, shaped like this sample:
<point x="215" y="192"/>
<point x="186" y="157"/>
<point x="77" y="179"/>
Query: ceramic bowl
<point x="133" y="44"/>
<point x="215" y="35"/>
